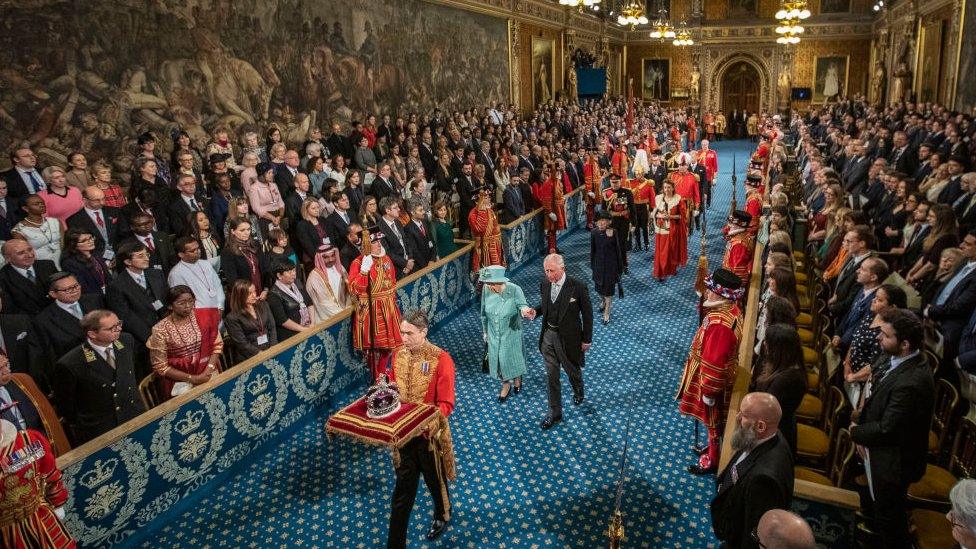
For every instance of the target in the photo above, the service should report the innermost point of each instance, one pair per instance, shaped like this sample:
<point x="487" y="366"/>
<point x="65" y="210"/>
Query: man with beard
<point x="759" y="476"/>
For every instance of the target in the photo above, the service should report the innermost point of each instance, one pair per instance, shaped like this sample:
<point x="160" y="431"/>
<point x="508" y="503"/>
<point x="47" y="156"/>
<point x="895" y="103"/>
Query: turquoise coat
<point x="501" y="321"/>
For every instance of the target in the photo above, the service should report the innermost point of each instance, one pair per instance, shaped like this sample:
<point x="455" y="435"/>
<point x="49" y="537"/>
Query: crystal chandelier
<point x="790" y="16"/>
<point x="632" y="13"/>
<point x="581" y="4"/>
<point x="683" y="36"/>
<point x="662" y="26"/>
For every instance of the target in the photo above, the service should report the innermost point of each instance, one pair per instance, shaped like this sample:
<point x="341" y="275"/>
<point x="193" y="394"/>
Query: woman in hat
<point x="606" y="261"/>
<point x="670" y="231"/>
<point x="502" y="305"/>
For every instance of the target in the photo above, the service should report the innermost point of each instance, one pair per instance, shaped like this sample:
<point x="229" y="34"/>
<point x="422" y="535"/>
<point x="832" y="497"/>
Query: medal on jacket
<point x="425" y="367"/>
<point x="19" y="459"/>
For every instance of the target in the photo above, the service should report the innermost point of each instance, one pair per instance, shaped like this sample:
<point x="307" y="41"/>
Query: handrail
<point x="830" y="495"/>
<point x="528" y="215"/>
<point x="79" y="453"/>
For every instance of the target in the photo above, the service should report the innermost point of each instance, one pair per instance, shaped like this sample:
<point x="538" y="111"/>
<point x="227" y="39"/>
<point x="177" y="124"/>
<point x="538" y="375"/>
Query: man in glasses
<point x="95" y="384"/>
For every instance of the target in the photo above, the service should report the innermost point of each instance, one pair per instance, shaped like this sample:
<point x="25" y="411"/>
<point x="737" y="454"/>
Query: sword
<point x="615" y="530"/>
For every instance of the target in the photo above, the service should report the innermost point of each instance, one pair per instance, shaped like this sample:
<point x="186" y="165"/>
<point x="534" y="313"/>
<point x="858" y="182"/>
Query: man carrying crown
<point x="31" y="491"/>
<point x="376" y="318"/>
<point x="738" y="247"/>
<point x="618" y="201"/>
<point x="424" y="374"/>
<point x="486" y="232"/>
<point x="686" y="185"/>
<point x="706" y="384"/>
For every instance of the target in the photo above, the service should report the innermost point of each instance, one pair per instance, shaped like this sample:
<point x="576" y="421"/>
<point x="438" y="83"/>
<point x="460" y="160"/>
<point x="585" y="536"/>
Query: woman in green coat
<point x="502" y="306"/>
<point x="443" y="232"/>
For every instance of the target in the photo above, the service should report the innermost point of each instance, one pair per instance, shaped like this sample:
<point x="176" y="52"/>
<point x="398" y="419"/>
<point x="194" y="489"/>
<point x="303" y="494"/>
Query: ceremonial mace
<point x="732" y="206"/>
<point x="700" y="289"/>
<point x="615" y="530"/>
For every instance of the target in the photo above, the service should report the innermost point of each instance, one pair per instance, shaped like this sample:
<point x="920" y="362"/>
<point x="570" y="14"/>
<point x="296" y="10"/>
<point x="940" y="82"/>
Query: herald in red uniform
<point x="592" y="182"/>
<point x="550" y="195"/>
<point x="30" y="492"/>
<point x="709" y="158"/>
<point x="486" y="232"/>
<point x="376" y="319"/>
<point x="706" y="384"/>
<point x="738" y="248"/>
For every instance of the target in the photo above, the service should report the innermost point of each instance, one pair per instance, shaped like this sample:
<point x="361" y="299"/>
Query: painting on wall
<point x="743" y="8"/>
<point x="965" y="97"/>
<point x="835" y="6"/>
<point x="655" y="79"/>
<point x="543" y="69"/>
<point x="829" y="77"/>
<point x="930" y="86"/>
<point x="617" y="68"/>
<point x="105" y="72"/>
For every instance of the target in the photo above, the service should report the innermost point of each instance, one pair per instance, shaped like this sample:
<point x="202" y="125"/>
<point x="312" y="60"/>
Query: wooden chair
<point x="933" y="361"/>
<point x="932" y="491"/>
<point x="53" y="428"/>
<point x="931" y="529"/>
<point x="813" y="443"/>
<point x="149" y="392"/>
<point x="811" y="407"/>
<point x="946" y="402"/>
<point x="841" y="457"/>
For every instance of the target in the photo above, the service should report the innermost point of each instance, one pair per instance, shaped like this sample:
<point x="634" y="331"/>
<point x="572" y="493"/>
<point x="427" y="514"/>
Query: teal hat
<point x="493" y="274"/>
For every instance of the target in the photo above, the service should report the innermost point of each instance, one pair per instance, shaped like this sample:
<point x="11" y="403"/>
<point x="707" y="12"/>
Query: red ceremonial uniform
<point x="670" y="235"/>
<point x="710" y="372"/>
<point x="754" y="207"/>
<point x="687" y="186"/>
<point x="487" y="236"/>
<point x="643" y="190"/>
<point x="380" y="287"/>
<point x="550" y="195"/>
<point x="618" y="164"/>
<point x="430" y="384"/>
<point x="738" y="256"/>
<point x="692" y="132"/>
<point x="30" y="491"/>
<point x="710" y="160"/>
<point x="592" y="181"/>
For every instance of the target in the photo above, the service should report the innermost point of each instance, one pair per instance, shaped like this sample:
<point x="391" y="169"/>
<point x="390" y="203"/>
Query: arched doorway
<point x="741" y="87"/>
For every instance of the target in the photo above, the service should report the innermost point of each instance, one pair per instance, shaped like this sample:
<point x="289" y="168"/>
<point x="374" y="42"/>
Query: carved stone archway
<point x="719" y="61"/>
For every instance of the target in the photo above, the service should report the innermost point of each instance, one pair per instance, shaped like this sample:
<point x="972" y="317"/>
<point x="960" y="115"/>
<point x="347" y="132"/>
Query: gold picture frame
<point x="543" y="59"/>
<point x="830" y="77"/>
<point x="655" y="79"/>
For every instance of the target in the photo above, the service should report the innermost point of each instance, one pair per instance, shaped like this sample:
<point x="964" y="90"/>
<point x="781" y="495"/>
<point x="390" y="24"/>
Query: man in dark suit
<point x="858" y="242"/>
<point x="464" y="185"/>
<point x="483" y="157"/>
<point x="337" y="223"/>
<point x="925" y="166"/>
<point x="106" y="224"/>
<point x="294" y="201"/>
<point x="566" y="333"/>
<point x="23" y="280"/>
<point x="513" y="205"/>
<point x="759" y="476"/>
<point x="419" y="236"/>
<point x="914" y="245"/>
<point x="10" y="214"/>
<point x="394" y="241"/>
<point x="57" y="329"/>
<point x="15" y="333"/>
<point x="426" y="150"/>
<point x="891" y="429"/>
<point x="160" y="245"/>
<point x="185" y="203"/>
<point x="285" y="176"/>
<point x="383" y="186"/>
<point x="23" y="178"/>
<point x="955" y="300"/>
<point x="137" y="295"/>
<point x="95" y="384"/>
<point x="870" y="274"/>
<point x="352" y="244"/>
<point x="855" y="175"/>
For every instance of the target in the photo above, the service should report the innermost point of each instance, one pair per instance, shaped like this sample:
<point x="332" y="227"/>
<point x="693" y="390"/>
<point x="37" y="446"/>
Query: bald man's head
<point x="758" y="419"/>
<point x="780" y="529"/>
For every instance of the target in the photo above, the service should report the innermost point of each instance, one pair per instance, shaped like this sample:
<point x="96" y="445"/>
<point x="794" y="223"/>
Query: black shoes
<point x="578" y="399"/>
<point x="699" y="470"/>
<point x="503" y="396"/>
<point x="518" y="386"/>
<point x="550" y="421"/>
<point x="436" y="528"/>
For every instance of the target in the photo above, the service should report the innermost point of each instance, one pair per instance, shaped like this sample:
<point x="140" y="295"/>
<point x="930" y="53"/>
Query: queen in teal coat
<point x="502" y="306"/>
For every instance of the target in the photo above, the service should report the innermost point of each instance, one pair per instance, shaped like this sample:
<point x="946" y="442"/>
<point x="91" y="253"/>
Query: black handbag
<point x="484" y="362"/>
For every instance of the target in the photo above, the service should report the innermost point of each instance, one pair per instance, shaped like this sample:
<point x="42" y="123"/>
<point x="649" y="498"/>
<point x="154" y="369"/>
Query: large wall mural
<point x="92" y="75"/>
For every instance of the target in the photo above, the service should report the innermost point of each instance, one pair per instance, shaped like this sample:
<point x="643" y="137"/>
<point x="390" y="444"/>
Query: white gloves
<point x="709" y="401"/>
<point x="59" y="512"/>
<point x="552" y="216"/>
<point x="366" y="265"/>
<point x="591" y="194"/>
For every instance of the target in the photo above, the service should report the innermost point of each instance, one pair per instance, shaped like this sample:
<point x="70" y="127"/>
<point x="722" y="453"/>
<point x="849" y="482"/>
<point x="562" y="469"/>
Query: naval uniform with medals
<point x="619" y="203"/>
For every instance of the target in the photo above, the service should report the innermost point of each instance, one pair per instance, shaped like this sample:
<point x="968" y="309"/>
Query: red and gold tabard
<point x="692" y="131"/>
<point x="426" y="375"/>
<point x="710" y="368"/>
<point x="754" y="207"/>
<point x="686" y="185"/>
<point x="30" y="491"/>
<point x="709" y="159"/>
<point x="643" y="191"/>
<point x="592" y="181"/>
<point x="618" y="164"/>
<point x="487" y="236"/>
<point x="738" y="256"/>
<point x="550" y="195"/>
<point x="385" y="334"/>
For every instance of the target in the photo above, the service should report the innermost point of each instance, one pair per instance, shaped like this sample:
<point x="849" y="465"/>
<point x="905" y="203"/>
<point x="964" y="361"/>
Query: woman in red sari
<point x="670" y="232"/>
<point x="183" y="351"/>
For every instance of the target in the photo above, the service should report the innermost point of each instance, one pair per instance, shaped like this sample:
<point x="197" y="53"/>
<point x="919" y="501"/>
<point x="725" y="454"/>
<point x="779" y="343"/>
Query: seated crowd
<point x="866" y="323"/>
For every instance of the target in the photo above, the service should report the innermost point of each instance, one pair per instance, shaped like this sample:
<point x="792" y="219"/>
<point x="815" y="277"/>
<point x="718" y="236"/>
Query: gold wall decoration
<point x="830" y="77"/>
<point x="930" y="82"/>
<point x="543" y="67"/>
<point x="514" y="57"/>
<point x="655" y="79"/>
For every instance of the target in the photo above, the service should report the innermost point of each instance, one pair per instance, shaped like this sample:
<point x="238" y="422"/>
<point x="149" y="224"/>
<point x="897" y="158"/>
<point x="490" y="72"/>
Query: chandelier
<point x="581" y="4"/>
<point x="662" y="28"/>
<point x="632" y="13"/>
<point x="683" y="36"/>
<point x="790" y="16"/>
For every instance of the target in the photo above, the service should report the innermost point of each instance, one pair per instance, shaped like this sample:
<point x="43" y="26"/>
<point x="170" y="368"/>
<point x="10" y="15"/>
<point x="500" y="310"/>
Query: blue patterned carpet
<point x="517" y="486"/>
